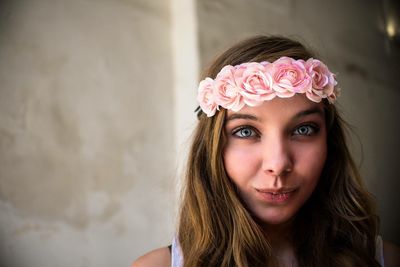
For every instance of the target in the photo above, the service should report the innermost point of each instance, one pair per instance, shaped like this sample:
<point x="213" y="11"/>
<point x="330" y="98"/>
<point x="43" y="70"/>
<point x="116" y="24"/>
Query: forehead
<point x="281" y="109"/>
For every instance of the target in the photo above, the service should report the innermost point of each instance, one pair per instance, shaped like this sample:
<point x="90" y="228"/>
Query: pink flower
<point x="226" y="90"/>
<point x="206" y="97"/>
<point x="323" y="81"/>
<point x="256" y="84"/>
<point x="252" y="83"/>
<point x="332" y="97"/>
<point x="290" y="77"/>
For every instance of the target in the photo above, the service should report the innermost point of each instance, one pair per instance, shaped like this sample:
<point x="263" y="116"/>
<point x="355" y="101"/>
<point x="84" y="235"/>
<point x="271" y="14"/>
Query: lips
<point x="276" y="196"/>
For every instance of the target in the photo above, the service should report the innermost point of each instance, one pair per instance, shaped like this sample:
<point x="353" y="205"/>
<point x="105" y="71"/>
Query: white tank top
<point x="177" y="259"/>
<point x="176" y="254"/>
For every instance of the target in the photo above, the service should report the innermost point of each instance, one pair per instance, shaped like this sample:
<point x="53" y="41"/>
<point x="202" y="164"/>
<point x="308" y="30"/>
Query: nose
<point x="277" y="157"/>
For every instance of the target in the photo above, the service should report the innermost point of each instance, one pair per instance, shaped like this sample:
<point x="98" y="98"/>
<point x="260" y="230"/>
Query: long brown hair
<point x="336" y="227"/>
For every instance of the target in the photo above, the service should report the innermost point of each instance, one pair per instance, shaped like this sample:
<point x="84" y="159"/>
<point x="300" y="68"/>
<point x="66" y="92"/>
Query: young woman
<point x="270" y="180"/>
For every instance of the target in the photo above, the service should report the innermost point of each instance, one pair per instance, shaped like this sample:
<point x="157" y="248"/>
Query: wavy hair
<point x="337" y="226"/>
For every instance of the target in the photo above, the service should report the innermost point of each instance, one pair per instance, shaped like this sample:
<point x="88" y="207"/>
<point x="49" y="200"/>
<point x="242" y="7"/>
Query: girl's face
<point x="275" y="154"/>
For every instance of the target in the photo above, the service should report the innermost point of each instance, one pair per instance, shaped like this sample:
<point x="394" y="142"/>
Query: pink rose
<point x="323" y="81"/>
<point x="332" y="97"/>
<point x="206" y="97"/>
<point x="226" y="90"/>
<point x="290" y="77"/>
<point x="256" y="84"/>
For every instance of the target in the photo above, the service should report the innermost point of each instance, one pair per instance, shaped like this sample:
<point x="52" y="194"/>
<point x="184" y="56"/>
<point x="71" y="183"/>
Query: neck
<point x="278" y="235"/>
<point x="280" y="239"/>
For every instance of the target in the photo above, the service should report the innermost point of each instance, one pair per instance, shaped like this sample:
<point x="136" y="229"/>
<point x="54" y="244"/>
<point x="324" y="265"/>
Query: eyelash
<point x="236" y="132"/>
<point x="312" y="129"/>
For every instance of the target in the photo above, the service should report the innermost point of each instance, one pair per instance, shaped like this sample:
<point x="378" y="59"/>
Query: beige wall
<point x="86" y="131"/>
<point x="96" y="109"/>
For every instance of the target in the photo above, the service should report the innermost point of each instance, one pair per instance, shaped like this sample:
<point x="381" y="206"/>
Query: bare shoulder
<point x="391" y="254"/>
<point x="157" y="258"/>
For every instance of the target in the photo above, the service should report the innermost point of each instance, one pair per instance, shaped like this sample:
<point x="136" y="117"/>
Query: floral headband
<point x="252" y="83"/>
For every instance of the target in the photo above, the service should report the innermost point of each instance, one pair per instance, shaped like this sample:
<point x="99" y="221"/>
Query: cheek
<point x="240" y="162"/>
<point x="311" y="161"/>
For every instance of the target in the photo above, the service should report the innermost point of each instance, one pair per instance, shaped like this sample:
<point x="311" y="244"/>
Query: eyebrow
<point x="244" y="116"/>
<point x="237" y="116"/>
<point x="310" y="111"/>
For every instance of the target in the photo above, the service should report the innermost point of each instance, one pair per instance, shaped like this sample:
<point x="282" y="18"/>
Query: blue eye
<point x="245" y="132"/>
<point x="305" y="130"/>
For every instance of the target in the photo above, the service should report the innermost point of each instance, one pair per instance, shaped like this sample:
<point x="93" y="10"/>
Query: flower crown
<point x="252" y="83"/>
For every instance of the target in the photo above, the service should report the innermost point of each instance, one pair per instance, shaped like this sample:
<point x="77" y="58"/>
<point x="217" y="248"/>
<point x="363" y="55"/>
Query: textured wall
<point x="348" y="35"/>
<point x="86" y="136"/>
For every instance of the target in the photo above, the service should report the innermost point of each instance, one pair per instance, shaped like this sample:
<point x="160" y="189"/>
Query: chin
<point x="275" y="220"/>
